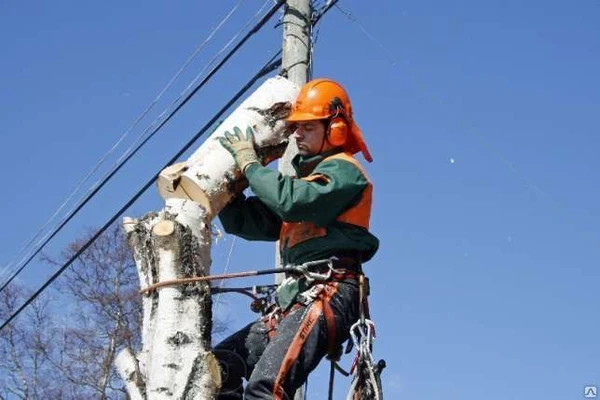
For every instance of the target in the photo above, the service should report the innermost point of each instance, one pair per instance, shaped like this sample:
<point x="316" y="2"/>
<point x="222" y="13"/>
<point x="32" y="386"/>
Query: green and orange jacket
<point x="321" y="212"/>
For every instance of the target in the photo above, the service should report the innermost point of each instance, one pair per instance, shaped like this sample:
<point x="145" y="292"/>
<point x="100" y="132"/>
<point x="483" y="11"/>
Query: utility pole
<point x="296" y="52"/>
<point x="296" y="55"/>
<point x="297" y="42"/>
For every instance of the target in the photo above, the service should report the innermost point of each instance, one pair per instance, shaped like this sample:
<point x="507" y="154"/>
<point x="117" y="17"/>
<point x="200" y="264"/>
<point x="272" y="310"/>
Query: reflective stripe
<point x="293" y="233"/>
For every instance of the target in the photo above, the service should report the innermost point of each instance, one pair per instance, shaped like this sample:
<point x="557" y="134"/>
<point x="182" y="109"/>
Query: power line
<point x="254" y="30"/>
<point x="216" y="302"/>
<point x="233" y="38"/>
<point x="372" y="38"/>
<point x="123" y="136"/>
<point x="156" y="121"/>
<point x="319" y="13"/>
<point x="271" y="65"/>
<point x="323" y="11"/>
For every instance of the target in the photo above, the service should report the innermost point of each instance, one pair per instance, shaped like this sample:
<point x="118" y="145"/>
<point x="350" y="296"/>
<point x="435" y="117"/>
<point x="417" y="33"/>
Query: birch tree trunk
<point x="175" y="361"/>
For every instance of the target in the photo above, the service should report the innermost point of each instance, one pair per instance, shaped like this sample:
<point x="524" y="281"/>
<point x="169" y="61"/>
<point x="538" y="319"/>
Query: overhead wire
<point x="137" y="121"/>
<point x="314" y="24"/>
<point x="324" y="11"/>
<point x="227" y="45"/>
<point x="319" y="10"/>
<point x="225" y="270"/>
<point x="156" y="121"/>
<point x="433" y="95"/>
<point x="311" y="28"/>
<point x="273" y="63"/>
<point x="211" y="62"/>
<point x="353" y="19"/>
<point x="213" y="71"/>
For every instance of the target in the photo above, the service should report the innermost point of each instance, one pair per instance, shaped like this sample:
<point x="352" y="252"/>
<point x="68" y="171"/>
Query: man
<point x="321" y="214"/>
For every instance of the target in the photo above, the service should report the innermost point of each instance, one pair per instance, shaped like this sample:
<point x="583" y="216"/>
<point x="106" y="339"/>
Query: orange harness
<point x="311" y="316"/>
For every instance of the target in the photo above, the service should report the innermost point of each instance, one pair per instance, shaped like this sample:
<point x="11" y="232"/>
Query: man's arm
<point x="250" y="219"/>
<point x="334" y="186"/>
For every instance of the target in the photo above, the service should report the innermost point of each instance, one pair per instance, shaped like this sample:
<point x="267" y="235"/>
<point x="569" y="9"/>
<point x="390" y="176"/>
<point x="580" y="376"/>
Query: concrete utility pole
<point x="297" y="43"/>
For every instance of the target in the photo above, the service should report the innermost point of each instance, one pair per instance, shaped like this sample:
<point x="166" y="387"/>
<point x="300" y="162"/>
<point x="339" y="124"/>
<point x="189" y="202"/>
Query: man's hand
<point x="240" y="147"/>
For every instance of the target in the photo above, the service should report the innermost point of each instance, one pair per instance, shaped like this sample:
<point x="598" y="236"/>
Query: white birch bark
<point x="210" y="175"/>
<point x="175" y="361"/>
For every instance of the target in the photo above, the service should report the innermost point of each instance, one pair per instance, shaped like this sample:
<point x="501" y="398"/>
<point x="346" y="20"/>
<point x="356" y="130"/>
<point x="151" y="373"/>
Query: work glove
<point x="240" y="147"/>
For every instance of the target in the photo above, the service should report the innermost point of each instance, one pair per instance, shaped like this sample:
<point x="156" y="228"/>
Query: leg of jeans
<point x="284" y="367"/>
<point x="237" y="356"/>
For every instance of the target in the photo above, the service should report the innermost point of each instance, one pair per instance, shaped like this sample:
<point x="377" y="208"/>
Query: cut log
<point x="210" y="175"/>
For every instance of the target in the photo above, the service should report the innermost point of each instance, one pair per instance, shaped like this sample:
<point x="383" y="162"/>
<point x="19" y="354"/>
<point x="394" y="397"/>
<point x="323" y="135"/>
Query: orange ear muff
<point x="337" y="132"/>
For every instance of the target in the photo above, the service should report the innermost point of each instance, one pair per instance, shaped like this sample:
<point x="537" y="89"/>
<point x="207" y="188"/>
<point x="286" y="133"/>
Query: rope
<point x="196" y="279"/>
<point x="331" y="379"/>
<point x="255" y="29"/>
<point x="118" y="142"/>
<point x="271" y="65"/>
<point x="302" y="269"/>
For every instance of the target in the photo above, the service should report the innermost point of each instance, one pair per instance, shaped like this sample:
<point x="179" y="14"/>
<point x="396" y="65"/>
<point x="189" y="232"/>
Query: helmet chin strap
<point x="325" y="136"/>
<point x="322" y="143"/>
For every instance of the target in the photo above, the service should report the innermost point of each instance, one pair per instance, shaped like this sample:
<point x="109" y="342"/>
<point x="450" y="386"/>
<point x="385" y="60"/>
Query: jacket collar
<point x="304" y="165"/>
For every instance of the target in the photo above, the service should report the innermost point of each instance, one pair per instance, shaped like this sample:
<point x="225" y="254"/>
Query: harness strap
<point x="330" y="320"/>
<point x="310" y="319"/>
<point x="320" y="306"/>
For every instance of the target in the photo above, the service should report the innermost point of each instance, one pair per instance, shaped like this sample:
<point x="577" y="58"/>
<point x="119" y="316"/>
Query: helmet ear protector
<point x="337" y="130"/>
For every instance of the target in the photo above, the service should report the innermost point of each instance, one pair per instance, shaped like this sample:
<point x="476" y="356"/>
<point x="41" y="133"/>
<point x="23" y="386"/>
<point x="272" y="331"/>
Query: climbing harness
<point x="306" y="284"/>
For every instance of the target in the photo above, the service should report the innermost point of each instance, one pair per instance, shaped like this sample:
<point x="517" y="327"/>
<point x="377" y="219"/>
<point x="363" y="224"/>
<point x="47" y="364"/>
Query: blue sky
<point x="483" y="122"/>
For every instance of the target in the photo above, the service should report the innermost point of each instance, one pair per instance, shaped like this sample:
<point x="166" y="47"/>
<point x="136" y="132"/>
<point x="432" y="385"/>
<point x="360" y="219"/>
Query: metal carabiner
<point x="365" y="331"/>
<point x="315" y="276"/>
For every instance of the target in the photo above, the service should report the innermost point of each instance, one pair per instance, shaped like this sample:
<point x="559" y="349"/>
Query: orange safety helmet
<point x="326" y="99"/>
